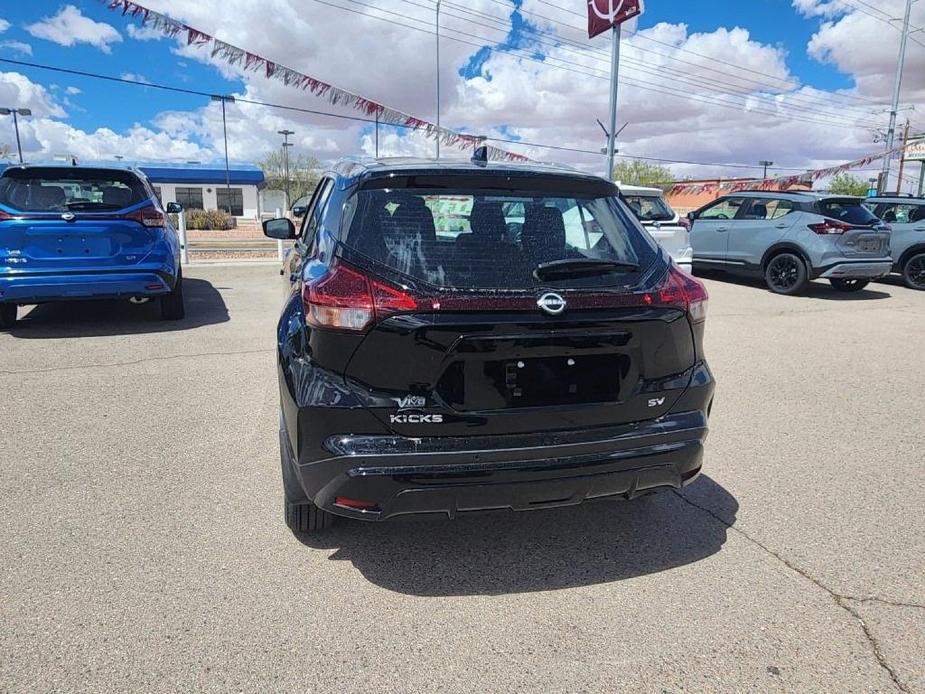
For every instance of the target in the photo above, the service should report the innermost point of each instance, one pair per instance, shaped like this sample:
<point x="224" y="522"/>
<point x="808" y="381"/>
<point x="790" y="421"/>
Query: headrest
<point x="116" y="195"/>
<point x="543" y="235"/>
<point x="487" y="220"/>
<point x="48" y="197"/>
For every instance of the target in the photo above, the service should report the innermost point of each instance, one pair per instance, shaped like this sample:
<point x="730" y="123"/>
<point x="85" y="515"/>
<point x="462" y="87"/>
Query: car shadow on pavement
<point x="817" y="289"/>
<point x="204" y="306"/>
<point x="505" y="552"/>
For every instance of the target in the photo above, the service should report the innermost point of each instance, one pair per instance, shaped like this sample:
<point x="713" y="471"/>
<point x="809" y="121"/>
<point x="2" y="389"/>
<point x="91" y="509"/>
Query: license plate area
<point x="70" y="246"/>
<point x="869" y="245"/>
<point x="535" y="382"/>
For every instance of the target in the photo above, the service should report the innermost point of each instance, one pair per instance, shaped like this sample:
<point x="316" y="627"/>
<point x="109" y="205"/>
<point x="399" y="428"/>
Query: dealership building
<point x="203" y="187"/>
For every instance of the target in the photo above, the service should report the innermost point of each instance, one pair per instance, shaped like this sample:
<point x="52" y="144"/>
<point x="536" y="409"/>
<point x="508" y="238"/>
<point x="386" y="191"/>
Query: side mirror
<point x="174" y="208"/>
<point x="691" y="216"/>
<point x="299" y="211"/>
<point x="281" y="229"/>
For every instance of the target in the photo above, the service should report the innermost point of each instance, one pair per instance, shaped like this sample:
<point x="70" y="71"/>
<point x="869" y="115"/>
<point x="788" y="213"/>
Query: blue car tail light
<point x="148" y="216"/>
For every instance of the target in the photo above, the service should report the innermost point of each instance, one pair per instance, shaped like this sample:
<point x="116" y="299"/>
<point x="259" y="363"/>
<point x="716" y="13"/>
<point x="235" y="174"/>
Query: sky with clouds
<point x="710" y="88"/>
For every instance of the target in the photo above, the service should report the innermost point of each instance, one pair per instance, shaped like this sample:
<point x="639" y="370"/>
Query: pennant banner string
<point x="335" y="95"/>
<point x="782" y="182"/>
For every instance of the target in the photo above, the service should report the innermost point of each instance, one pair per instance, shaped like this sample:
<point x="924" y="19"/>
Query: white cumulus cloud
<point x="70" y="27"/>
<point x="17" y="47"/>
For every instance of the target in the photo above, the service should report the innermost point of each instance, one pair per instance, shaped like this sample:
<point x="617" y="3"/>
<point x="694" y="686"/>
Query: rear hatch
<point x="856" y="231"/>
<point x="56" y="218"/>
<point x="578" y="322"/>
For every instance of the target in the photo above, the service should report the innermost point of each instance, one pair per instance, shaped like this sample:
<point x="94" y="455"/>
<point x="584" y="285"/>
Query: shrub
<point x="214" y="220"/>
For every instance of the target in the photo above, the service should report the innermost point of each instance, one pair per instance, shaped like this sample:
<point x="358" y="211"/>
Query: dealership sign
<point x="915" y="151"/>
<point x="604" y="14"/>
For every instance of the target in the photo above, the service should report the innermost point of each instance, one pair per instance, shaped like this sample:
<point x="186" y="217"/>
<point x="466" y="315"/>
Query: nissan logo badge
<point x="551" y="303"/>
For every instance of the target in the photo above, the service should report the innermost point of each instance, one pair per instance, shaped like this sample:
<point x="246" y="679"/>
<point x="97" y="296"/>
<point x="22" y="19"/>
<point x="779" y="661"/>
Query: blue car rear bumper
<point x="40" y="287"/>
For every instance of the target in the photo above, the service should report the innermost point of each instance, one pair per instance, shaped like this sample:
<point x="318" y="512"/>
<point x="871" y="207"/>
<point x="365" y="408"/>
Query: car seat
<point x="117" y="196"/>
<point x="47" y="197"/>
<point x="543" y="237"/>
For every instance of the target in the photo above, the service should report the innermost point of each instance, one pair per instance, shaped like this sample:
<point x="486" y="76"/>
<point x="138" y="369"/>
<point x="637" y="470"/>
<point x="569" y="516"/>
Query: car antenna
<point x="73" y="161"/>
<point x="480" y="156"/>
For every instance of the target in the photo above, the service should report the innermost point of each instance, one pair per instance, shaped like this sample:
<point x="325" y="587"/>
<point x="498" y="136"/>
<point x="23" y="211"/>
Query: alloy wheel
<point x="784" y="273"/>
<point x="915" y="272"/>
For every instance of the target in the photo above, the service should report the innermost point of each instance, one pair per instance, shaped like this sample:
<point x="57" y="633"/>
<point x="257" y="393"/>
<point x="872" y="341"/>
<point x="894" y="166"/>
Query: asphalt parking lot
<point x="144" y="546"/>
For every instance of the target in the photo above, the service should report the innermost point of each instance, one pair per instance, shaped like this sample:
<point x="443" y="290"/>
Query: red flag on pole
<point x="604" y="14"/>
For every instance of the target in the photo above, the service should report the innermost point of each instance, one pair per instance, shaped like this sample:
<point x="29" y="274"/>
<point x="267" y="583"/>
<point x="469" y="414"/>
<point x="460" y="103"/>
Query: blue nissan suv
<point x="75" y="232"/>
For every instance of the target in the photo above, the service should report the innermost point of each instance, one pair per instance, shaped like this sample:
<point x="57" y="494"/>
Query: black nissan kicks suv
<point x="466" y="336"/>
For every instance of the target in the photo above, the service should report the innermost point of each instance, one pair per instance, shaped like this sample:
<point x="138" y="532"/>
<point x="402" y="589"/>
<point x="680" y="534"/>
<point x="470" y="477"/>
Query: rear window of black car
<point x="55" y="189"/>
<point x="487" y="237"/>
<point x="848" y="211"/>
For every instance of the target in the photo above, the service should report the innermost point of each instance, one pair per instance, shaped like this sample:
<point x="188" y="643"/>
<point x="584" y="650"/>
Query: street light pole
<point x="765" y="164"/>
<point x="437" y="28"/>
<point x="286" y="146"/>
<point x="21" y="112"/>
<point x="223" y="99"/>
<point x="897" y="86"/>
<point x="614" y="70"/>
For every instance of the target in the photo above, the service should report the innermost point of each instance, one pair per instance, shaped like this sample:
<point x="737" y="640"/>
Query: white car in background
<point x="662" y="222"/>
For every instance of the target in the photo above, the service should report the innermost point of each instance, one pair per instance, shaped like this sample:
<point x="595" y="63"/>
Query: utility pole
<point x="286" y="146"/>
<point x="897" y="87"/>
<point x="765" y="164"/>
<point x="14" y="112"/>
<point x="223" y="99"/>
<point x="902" y="158"/>
<point x="437" y="29"/>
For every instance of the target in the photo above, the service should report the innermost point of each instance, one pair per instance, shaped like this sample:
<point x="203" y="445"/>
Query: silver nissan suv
<point x="790" y="239"/>
<point x="906" y="216"/>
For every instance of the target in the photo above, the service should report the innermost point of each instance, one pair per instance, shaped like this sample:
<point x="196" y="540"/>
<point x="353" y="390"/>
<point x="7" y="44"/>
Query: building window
<point x="190" y="198"/>
<point x="231" y="200"/>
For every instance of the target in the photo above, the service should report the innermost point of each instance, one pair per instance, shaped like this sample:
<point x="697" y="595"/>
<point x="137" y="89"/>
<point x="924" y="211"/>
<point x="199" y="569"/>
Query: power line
<point x="643" y="37"/>
<point x="801" y="103"/>
<point x="523" y="55"/>
<point x="208" y="95"/>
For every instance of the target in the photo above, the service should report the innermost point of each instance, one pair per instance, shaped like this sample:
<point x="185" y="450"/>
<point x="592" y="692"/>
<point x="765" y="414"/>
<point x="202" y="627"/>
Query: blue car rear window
<point x="59" y="189"/>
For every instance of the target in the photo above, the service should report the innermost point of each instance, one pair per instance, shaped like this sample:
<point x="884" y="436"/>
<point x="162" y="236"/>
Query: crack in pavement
<point x="885" y="601"/>
<point x="168" y="357"/>
<point x="840" y="600"/>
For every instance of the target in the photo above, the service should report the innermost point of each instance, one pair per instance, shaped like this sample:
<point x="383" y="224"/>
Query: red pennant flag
<point x="604" y="14"/>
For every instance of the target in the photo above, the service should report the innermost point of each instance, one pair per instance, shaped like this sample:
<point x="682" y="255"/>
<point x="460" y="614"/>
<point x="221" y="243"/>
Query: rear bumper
<point x="453" y="475"/>
<point x="858" y="270"/>
<point x="31" y="288"/>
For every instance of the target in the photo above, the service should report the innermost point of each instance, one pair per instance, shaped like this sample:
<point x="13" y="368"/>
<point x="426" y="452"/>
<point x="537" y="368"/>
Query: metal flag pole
<point x="614" y="82"/>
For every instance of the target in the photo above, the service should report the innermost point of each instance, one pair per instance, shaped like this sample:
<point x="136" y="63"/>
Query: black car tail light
<point x="347" y="299"/>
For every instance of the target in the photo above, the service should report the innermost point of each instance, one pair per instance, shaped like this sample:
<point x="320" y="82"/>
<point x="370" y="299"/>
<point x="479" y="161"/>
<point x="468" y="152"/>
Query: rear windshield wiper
<point x="581" y="267"/>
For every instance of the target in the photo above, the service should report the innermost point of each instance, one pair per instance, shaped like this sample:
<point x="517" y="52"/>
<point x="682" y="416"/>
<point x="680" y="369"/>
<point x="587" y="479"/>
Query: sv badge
<point x="657" y="402"/>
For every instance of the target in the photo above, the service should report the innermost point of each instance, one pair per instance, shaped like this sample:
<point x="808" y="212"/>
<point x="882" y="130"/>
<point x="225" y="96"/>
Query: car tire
<point x="172" y="306"/>
<point x="914" y="272"/>
<point x="786" y="274"/>
<point x="7" y="316"/>
<point x="849" y="285"/>
<point x="302" y="516"/>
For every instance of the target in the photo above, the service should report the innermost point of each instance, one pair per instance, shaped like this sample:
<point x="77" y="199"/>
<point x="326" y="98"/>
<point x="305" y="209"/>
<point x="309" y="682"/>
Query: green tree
<point x="640" y="173"/>
<point x="846" y="184"/>
<point x="304" y="173"/>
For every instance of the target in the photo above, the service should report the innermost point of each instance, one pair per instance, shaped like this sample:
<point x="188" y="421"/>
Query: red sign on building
<point x="604" y="14"/>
